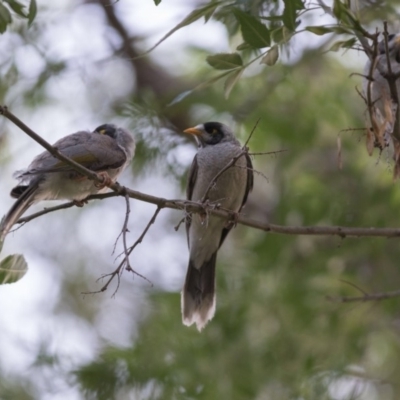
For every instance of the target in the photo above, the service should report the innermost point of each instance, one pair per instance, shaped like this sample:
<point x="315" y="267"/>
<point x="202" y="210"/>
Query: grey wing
<point x="92" y="150"/>
<point x="250" y="179"/>
<point x="249" y="187"/>
<point x="189" y="190"/>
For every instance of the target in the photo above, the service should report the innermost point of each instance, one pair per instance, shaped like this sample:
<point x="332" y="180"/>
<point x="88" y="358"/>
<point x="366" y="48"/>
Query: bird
<point x="218" y="147"/>
<point x="376" y="90"/>
<point x="107" y="150"/>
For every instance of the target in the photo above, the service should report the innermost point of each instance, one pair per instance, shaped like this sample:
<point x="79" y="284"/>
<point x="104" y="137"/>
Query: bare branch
<point x="196" y="207"/>
<point x="251" y="134"/>
<point x="366" y="297"/>
<point x="125" y="262"/>
<point x="354" y="286"/>
<point x="125" y="230"/>
<point x="266" y="153"/>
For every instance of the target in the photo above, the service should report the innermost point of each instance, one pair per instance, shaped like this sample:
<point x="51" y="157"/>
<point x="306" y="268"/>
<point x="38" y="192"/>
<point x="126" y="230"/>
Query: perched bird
<point x="217" y="148"/>
<point x="376" y="90"/>
<point x="107" y="150"/>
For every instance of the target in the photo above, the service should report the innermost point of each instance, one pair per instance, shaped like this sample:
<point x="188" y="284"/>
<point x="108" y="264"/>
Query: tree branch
<point x="190" y="206"/>
<point x="125" y="262"/>
<point x="194" y="207"/>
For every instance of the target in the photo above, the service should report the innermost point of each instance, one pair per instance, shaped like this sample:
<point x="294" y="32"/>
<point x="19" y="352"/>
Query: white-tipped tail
<point x="198" y="299"/>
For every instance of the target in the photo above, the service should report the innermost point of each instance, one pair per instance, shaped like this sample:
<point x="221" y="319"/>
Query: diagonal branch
<point x="53" y="150"/>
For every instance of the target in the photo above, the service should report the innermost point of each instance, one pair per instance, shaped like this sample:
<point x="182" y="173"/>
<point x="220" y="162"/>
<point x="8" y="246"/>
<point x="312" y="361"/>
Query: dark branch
<point x="194" y="207"/>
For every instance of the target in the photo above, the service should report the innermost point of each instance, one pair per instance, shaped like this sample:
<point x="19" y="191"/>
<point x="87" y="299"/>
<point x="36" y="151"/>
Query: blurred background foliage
<point x="275" y="334"/>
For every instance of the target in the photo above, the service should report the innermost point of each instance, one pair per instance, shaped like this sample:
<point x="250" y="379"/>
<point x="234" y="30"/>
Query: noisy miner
<point x="380" y="97"/>
<point x="107" y="150"/>
<point x="206" y="233"/>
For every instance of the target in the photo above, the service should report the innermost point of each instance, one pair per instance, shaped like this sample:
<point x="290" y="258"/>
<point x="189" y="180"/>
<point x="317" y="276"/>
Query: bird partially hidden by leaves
<point x="377" y="94"/>
<point x="206" y="233"/>
<point x="107" y="150"/>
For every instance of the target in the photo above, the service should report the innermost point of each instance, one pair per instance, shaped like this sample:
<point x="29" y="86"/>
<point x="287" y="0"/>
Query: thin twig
<point x="125" y="230"/>
<point x="181" y="221"/>
<point x="366" y="297"/>
<point x="354" y="286"/>
<point x="254" y="171"/>
<point x="216" y="177"/>
<point x="125" y="262"/>
<point x="266" y="153"/>
<point x="63" y="206"/>
<point x="231" y="163"/>
<point x="251" y="134"/>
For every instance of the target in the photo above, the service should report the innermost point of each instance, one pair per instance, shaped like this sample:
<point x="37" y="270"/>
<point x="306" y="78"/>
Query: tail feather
<point x="23" y="202"/>
<point x="198" y="294"/>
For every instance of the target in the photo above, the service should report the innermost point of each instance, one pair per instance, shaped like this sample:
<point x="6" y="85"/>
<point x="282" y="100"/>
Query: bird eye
<point x="214" y="131"/>
<point x="102" y="131"/>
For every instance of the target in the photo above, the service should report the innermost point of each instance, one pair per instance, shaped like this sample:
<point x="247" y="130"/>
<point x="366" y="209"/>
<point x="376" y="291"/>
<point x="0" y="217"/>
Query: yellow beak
<point x="193" y="131"/>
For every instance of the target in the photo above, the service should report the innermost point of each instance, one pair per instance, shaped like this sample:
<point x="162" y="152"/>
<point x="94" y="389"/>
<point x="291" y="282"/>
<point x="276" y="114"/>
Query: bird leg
<point x="233" y="219"/>
<point x="107" y="181"/>
<point x="80" y="203"/>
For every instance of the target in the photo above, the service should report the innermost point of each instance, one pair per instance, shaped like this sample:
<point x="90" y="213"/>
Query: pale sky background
<point x="30" y="313"/>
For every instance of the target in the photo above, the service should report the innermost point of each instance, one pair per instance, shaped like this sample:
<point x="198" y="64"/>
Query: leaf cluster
<point x="7" y="7"/>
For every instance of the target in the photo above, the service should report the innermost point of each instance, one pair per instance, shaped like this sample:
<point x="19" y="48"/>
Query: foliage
<point x="12" y="269"/>
<point x="18" y="8"/>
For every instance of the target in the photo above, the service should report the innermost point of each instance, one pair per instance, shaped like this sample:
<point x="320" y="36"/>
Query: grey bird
<point x="217" y="148"/>
<point x="107" y="150"/>
<point x="380" y="97"/>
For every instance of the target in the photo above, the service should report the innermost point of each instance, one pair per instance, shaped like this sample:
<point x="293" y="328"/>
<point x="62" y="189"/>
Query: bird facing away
<point x="380" y="95"/>
<point x="107" y="150"/>
<point x="217" y="148"/>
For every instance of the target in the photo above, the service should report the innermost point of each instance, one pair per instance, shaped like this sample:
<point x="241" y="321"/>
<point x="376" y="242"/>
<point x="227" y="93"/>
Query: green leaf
<point x="352" y="20"/>
<point x="231" y="81"/>
<point x="225" y="60"/>
<point x="202" y="85"/>
<point x="338" y="9"/>
<point x="271" y="57"/>
<point x="157" y="2"/>
<point x="281" y="34"/>
<point x="322" y="30"/>
<point x="5" y="18"/>
<point x="319" y="30"/>
<point x="349" y="43"/>
<point x="244" y="46"/>
<point x="17" y="7"/>
<point x="343" y="44"/>
<point x="192" y="17"/>
<point x="290" y="13"/>
<point x="254" y="32"/>
<point x="32" y="12"/>
<point x="12" y="269"/>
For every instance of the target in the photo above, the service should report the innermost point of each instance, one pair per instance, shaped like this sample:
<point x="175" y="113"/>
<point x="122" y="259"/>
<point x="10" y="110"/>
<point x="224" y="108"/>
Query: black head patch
<point x="106" y="129"/>
<point x="215" y="132"/>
